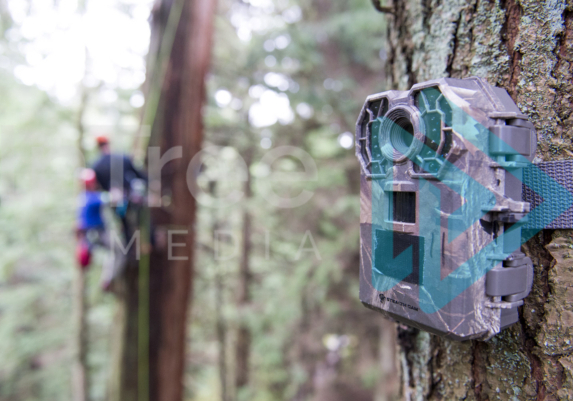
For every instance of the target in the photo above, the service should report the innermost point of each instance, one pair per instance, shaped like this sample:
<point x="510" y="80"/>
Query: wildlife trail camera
<point x="444" y="210"/>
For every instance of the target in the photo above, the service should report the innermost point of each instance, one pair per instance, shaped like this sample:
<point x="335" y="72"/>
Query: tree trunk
<point x="80" y="372"/>
<point x="244" y="334"/>
<point x="219" y="294"/>
<point x="221" y="329"/>
<point x="525" y="47"/>
<point x="123" y="380"/>
<point x="178" y="123"/>
<point x="156" y="294"/>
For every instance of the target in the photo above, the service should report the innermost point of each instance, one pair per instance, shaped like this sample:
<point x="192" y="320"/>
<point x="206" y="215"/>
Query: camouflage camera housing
<point x="441" y="206"/>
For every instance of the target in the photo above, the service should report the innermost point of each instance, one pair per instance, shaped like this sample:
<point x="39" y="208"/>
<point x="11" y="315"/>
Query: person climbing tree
<point x="90" y="228"/>
<point x="126" y="184"/>
<point x="91" y="231"/>
<point x="105" y="167"/>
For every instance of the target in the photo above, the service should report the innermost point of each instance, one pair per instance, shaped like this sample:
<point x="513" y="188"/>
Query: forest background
<point x="283" y="73"/>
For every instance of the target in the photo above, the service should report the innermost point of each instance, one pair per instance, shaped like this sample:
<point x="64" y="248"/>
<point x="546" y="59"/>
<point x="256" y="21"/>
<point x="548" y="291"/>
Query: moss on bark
<point x="525" y="46"/>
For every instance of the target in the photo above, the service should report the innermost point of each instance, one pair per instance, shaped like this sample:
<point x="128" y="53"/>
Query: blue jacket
<point x="89" y="215"/>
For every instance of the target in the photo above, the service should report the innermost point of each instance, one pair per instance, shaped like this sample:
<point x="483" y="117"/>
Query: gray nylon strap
<point x="562" y="172"/>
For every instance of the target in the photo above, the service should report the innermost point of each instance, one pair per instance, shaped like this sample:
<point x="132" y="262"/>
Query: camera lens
<point x="402" y="135"/>
<point x="398" y="130"/>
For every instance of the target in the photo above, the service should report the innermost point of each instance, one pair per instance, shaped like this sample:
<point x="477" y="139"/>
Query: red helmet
<point x="88" y="178"/>
<point x="102" y="139"/>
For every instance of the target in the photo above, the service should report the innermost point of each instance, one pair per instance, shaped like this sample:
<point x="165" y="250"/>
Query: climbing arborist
<point x="90" y="228"/>
<point x="126" y="184"/>
<point x="106" y="164"/>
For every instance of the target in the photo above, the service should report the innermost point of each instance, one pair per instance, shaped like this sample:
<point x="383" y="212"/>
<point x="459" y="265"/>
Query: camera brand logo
<point x="383" y="299"/>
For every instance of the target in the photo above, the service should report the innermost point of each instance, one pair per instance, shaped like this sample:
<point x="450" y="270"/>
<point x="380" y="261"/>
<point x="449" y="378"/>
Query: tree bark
<point x="155" y="293"/>
<point x="525" y="47"/>
<point x="178" y="123"/>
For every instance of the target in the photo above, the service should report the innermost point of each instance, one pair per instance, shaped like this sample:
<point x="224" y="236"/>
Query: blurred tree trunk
<point x="527" y="48"/>
<point x="221" y="328"/>
<point x="80" y="375"/>
<point x="155" y="296"/>
<point x="80" y="369"/>
<point x="178" y="123"/>
<point x="243" y="347"/>
<point x="220" y="322"/>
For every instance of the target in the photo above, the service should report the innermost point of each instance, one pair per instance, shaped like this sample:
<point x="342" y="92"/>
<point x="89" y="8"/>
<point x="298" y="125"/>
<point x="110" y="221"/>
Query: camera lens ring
<point x="401" y="134"/>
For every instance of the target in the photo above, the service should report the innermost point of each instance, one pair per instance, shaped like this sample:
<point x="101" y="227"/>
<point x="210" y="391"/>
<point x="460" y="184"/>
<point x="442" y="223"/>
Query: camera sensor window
<point x="403" y="207"/>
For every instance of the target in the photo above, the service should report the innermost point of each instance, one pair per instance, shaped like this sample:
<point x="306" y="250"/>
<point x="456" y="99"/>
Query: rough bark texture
<point x="526" y="47"/>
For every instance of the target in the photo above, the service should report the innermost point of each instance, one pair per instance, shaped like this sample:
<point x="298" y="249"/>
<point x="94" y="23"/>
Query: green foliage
<point x="298" y="295"/>
<point x="303" y="261"/>
<point x="39" y="160"/>
<point x="37" y="200"/>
